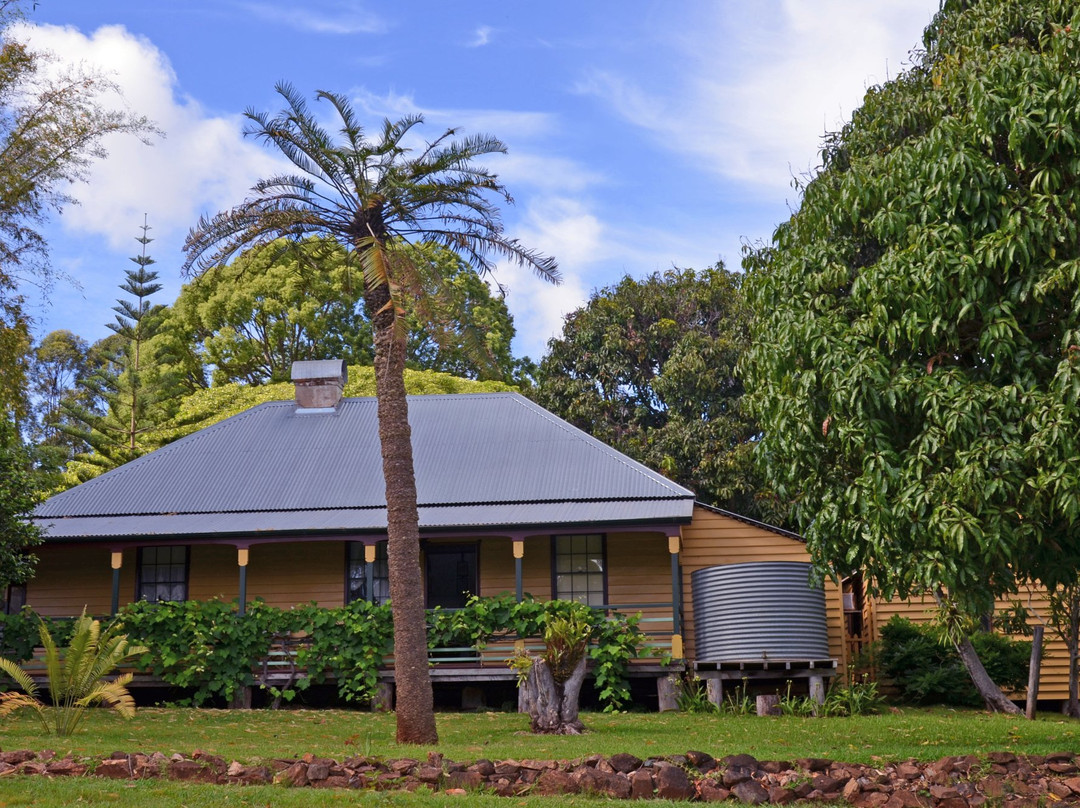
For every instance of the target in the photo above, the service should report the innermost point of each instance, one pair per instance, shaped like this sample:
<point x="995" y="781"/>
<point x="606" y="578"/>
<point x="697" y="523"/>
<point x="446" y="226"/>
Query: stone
<point x="318" y="771"/>
<point x="851" y="788"/>
<point x="712" y="791"/>
<point x="625" y="763"/>
<point x="18" y="756"/>
<point x="740" y="761"/>
<point x="65" y="768"/>
<point x="902" y="798"/>
<point x="826" y="784"/>
<point x="943" y="792"/>
<point x="1062" y="768"/>
<point x="294" y="775"/>
<point x="735" y="775"/>
<point x="815" y="764"/>
<point x="870" y="799"/>
<point x="190" y="770"/>
<point x="775" y="766"/>
<point x="113" y="769"/>
<point x="953" y="802"/>
<point x="1004" y="758"/>
<point x="255" y="776"/>
<point x="484" y="766"/>
<point x="333" y="781"/>
<point x="908" y="771"/>
<point x="591" y="780"/>
<point x="403" y="766"/>
<point x="467" y="779"/>
<point x="508" y="768"/>
<point x="751" y="792"/>
<point x="429" y="774"/>
<point x="641" y="784"/>
<point x="778" y="795"/>
<point x="553" y="782"/>
<point x="235" y="769"/>
<point x="703" y="761"/>
<point x="672" y="783"/>
<point x="1059" y="789"/>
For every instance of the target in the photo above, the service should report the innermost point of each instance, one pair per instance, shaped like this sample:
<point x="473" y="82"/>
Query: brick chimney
<point x="319" y="383"/>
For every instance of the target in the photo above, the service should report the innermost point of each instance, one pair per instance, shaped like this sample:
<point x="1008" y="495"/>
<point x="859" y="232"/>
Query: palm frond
<point x="23" y="679"/>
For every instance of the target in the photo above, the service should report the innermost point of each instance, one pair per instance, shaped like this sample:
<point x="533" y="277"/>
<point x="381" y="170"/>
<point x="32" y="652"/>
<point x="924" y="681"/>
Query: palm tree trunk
<point x="414" y="703"/>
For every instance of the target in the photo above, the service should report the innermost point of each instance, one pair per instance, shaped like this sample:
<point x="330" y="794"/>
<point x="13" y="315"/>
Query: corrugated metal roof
<point x="519" y="516"/>
<point x="481" y="459"/>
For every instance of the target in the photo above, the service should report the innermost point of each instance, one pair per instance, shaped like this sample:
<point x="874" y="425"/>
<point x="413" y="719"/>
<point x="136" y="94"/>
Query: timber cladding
<point x="1054" y="672"/>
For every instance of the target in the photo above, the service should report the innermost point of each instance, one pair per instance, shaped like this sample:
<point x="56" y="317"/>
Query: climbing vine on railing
<point x="207" y="648"/>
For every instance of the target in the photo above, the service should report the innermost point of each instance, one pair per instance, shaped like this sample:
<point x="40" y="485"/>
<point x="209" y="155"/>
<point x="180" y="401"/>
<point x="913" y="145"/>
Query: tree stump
<point x="552" y="706"/>
<point x="768" y="705"/>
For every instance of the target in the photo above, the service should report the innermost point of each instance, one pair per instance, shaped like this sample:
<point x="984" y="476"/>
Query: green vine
<point x="207" y="648"/>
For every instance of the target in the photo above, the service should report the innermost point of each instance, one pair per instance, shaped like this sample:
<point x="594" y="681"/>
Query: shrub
<point x="75" y="676"/>
<point x="927" y="671"/>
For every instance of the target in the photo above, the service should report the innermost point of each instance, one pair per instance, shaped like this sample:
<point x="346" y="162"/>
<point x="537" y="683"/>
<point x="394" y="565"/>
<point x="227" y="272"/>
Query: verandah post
<point x="242" y="561"/>
<point x="519" y="554"/>
<point x="117" y="562"/>
<point x="676" y="600"/>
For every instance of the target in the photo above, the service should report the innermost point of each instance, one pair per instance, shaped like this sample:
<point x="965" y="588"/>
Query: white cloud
<point x="342" y="17"/>
<point x="482" y="36"/>
<point x="758" y="85"/>
<point x="202" y="164"/>
<point x="567" y="229"/>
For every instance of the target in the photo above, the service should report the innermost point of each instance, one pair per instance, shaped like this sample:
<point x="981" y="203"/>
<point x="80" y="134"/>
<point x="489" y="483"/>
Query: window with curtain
<point x="162" y="573"/>
<point x="580" y="568"/>
<point x="356" y="576"/>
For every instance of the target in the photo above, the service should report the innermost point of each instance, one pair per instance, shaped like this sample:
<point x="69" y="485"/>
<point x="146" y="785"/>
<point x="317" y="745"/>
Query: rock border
<point x="966" y="781"/>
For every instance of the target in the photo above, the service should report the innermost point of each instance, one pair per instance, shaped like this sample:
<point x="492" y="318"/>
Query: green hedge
<point x="926" y="670"/>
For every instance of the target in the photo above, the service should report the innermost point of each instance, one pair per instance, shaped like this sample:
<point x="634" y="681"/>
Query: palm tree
<point x="377" y="196"/>
<point x="75" y="676"/>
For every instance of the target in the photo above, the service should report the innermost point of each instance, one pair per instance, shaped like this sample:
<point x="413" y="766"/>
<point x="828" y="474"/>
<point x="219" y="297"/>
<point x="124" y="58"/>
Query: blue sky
<point x="642" y="134"/>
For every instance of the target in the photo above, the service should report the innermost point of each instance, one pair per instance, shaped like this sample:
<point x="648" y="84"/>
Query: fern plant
<point x="75" y="677"/>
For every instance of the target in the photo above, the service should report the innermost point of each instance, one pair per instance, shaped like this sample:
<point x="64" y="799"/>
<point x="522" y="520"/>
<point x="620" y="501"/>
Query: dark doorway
<point x="451" y="574"/>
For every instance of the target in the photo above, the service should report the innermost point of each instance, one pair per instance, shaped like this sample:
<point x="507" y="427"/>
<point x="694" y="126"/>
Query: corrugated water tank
<point x="758" y="610"/>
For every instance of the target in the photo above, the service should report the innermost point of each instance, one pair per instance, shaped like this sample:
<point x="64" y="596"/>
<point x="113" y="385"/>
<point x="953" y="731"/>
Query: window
<point x="162" y="573"/>
<point x="356" y="584"/>
<point x="450" y="574"/>
<point x="580" y="569"/>
<point x="15" y="599"/>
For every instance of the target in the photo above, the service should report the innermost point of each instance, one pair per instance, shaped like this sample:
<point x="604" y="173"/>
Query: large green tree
<point x="60" y="368"/>
<point x="916" y="355"/>
<point x="649" y="366"/>
<point x="376" y="196"/>
<point x="277" y="303"/>
<point x="53" y="125"/>
<point x="17" y="500"/>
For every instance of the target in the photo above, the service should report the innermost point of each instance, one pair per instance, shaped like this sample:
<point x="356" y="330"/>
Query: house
<point x="285" y="502"/>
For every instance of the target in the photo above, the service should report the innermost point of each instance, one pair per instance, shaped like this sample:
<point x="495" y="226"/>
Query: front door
<point x="451" y="574"/>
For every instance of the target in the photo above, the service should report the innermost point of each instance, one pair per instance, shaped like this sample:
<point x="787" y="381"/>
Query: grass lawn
<point x="261" y="735"/>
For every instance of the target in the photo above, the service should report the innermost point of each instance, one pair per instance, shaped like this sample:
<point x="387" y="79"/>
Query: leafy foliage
<point x="131" y="394"/>
<point x="17" y="501"/>
<point x="209" y="649"/>
<point x="927" y="670"/>
<point x="916" y="352"/>
<point x="20" y="633"/>
<point x="649" y="367"/>
<point x="249" y="320"/>
<point x="205" y="646"/>
<point x="75" y="676"/>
